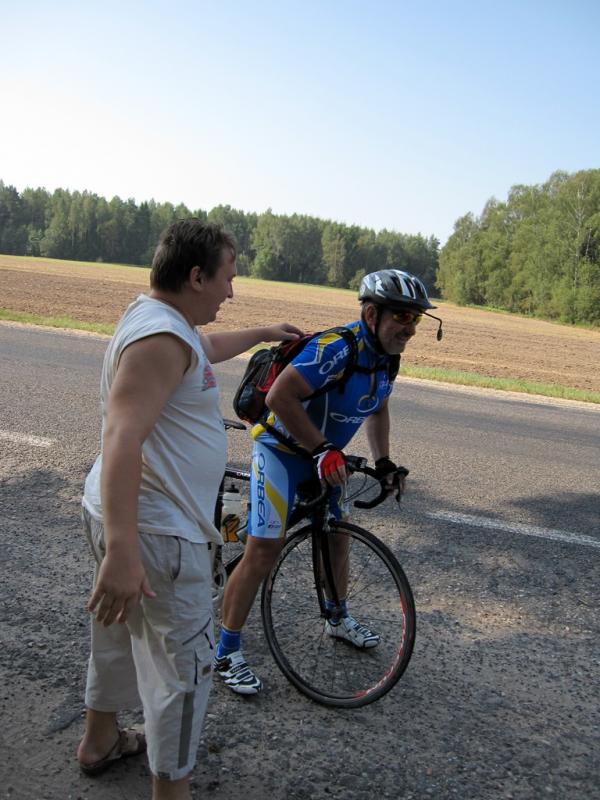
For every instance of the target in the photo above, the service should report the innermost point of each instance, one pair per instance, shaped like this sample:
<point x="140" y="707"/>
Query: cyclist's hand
<point x="120" y="584"/>
<point x="330" y="464"/>
<point x="392" y="477"/>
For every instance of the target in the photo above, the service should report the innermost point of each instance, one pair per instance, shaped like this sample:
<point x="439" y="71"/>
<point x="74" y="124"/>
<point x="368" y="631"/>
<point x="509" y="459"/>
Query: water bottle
<point x="242" y="533"/>
<point x="231" y="513"/>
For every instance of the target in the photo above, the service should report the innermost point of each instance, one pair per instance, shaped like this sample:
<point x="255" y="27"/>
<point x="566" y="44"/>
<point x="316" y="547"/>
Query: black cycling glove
<point x="385" y="467"/>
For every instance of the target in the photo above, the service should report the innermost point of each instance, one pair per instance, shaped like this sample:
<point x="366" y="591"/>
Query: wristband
<point x="321" y="448"/>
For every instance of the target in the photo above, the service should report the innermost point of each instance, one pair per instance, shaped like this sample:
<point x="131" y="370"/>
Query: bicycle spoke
<point x="296" y="634"/>
<point x="325" y="667"/>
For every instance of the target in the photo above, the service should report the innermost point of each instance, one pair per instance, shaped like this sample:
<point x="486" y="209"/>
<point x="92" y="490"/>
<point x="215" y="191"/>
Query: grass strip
<point x="502" y="384"/>
<point x="55" y="322"/>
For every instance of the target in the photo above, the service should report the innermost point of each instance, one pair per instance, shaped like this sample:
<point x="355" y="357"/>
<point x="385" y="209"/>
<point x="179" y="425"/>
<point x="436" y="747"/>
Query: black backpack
<point x="268" y="362"/>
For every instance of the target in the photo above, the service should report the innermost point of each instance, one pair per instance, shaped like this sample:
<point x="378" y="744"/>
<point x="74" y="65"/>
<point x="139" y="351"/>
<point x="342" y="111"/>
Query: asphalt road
<point x="499" y="536"/>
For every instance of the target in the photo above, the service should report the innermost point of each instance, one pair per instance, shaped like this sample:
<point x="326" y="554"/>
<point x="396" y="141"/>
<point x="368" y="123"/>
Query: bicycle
<point x="317" y="560"/>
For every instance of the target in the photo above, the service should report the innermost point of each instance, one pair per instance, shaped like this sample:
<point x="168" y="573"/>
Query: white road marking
<point x="24" y="438"/>
<point x="524" y="530"/>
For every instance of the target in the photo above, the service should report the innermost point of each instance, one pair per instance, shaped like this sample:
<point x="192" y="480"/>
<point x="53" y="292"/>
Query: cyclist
<point x="393" y="302"/>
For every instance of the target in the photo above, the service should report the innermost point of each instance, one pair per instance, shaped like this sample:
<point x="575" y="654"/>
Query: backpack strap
<point x="287" y="441"/>
<point x="392" y="367"/>
<point x="351" y="366"/>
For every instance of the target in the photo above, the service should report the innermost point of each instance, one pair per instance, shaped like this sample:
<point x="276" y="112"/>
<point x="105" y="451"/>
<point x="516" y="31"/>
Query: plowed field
<point x="489" y="343"/>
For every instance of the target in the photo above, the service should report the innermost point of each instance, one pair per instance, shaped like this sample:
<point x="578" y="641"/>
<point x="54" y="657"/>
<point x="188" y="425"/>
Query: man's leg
<point x="274" y="476"/>
<point x="173" y="647"/>
<point x="339" y="550"/>
<point x="101" y="735"/>
<point x="111" y="678"/>
<point x="342" y="624"/>
<point x="111" y="686"/>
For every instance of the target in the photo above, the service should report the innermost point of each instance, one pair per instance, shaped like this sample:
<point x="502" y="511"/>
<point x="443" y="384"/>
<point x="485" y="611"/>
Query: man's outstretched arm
<point x="222" y="346"/>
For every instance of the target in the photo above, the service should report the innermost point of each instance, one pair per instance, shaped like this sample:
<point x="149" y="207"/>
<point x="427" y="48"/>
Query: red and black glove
<point x="392" y="475"/>
<point x="328" y="459"/>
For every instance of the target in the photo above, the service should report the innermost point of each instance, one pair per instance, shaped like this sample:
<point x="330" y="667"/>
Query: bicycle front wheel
<point x="330" y="670"/>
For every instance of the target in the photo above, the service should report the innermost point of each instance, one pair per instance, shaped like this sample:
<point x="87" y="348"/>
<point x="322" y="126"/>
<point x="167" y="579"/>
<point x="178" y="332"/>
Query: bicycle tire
<point x="326" y="669"/>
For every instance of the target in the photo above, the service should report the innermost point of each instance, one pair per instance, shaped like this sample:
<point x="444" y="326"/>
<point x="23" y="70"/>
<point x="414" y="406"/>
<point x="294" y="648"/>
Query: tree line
<point x="302" y="249"/>
<point x="537" y="253"/>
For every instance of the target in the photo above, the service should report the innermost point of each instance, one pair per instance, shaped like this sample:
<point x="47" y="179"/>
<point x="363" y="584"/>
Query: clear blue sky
<point x="399" y="115"/>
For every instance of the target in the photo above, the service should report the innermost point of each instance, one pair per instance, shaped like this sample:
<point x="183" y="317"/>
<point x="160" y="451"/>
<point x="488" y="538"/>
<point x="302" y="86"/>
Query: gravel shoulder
<point x="501" y="697"/>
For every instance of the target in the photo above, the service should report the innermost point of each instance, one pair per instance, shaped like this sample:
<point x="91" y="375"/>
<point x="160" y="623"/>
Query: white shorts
<point x="162" y="657"/>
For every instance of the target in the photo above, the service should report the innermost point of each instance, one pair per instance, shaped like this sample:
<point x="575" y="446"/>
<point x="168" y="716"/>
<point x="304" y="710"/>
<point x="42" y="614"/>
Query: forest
<point x="85" y="227"/>
<point x="537" y="253"/>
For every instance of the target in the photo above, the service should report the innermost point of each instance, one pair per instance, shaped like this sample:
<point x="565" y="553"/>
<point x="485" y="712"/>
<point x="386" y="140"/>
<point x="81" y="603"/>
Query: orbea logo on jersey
<point x="343" y="418"/>
<point x="326" y="368"/>
<point x="260" y="489"/>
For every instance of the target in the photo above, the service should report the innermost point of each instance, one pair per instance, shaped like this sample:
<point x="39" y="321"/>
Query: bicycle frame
<point x="317" y="510"/>
<point x="331" y="558"/>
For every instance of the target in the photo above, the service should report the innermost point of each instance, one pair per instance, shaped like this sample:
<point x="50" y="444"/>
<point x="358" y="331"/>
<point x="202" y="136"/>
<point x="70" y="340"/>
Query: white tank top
<point x="183" y="458"/>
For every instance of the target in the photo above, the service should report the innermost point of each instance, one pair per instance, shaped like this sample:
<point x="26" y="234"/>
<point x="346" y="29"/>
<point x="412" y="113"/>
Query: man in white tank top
<point x="148" y="507"/>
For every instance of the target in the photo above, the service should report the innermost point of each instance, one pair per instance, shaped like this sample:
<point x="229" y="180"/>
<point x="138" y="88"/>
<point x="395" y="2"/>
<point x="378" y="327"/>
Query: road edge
<point x="501" y="394"/>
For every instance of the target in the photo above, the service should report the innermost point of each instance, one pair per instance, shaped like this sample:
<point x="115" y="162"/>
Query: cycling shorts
<point x="274" y="478"/>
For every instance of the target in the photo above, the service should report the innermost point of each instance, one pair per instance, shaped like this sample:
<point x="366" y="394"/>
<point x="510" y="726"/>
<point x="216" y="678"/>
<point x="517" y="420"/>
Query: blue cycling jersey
<point x="340" y="412"/>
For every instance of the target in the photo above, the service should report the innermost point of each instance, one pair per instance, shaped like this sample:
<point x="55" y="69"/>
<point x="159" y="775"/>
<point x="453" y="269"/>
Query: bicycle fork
<point x="323" y="568"/>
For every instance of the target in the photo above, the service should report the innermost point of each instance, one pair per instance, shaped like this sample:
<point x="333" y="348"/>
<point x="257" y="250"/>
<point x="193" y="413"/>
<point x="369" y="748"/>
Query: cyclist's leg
<point x="342" y="625"/>
<point x="273" y="482"/>
<point x="339" y="551"/>
<point x="243" y="583"/>
<point x="274" y="476"/>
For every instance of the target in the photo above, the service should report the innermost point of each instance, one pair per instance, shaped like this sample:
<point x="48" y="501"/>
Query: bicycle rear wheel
<point x="227" y="555"/>
<point x="329" y="670"/>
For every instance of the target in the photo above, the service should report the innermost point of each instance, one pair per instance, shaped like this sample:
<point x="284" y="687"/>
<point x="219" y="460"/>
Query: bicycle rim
<point x="329" y="670"/>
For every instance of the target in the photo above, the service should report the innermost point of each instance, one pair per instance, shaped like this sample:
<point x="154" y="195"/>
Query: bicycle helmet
<point x="394" y="289"/>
